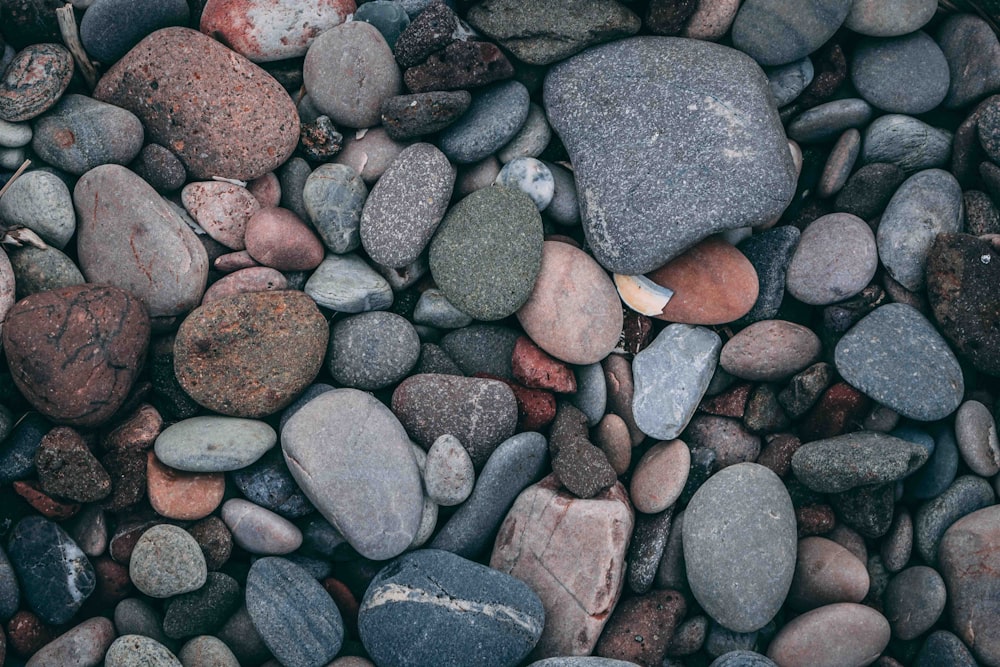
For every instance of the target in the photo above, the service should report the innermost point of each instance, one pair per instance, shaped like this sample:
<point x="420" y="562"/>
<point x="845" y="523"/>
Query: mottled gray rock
<point x="856" y="459"/>
<point x="888" y="18"/>
<point x="906" y="142"/>
<point x="130" y="650"/>
<point x="482" y="348"/>
<point x="435" y="310"/>
<point x="110" y="28"/>
<point x="775" y="32"/>
<point x="491" y="121"/>
<point x="591" y="395"/>
<point x="944" y="648"/>
<point x="333" y="197"/>
<point x="530" y="176"/>
<point x="641" y="115"/>
<point x="167" y="561"/>
<point x="40" y="201"/>
<point x="971" y="48"/>
<point x="80" y="133"/>
<point x="907" y="74"/>
<point x="966" y="495"/>
<point x="788" y="81"/>
<point x="531" y="139"/>
<point x="214" y="443"/>
<point x="372" y="350"/>
<point x="348" y="284"/>
<point x="743" y="658"/>
<point x="826" y="121"/>
<point x="913" y="601"/>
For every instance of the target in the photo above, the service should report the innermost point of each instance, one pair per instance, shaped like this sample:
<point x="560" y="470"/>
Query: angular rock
<point x="333" y="196"/>
<point x="580" y="467"/>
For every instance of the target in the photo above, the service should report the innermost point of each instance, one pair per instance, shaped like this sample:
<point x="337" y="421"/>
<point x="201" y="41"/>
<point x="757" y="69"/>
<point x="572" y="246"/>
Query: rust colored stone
<point x="346" y="603"/>
<point x="460" y="65"/>
<point x="730" y="403"/>
<point x="535" y="408"/>
<point x="537" y="370"/>
<point x="778" y="451"/>
<point x="26" y="633"/>
<point x="640" y="628"/>
<point x="46" y="505"/>
<point x="182" y="495"/>
<point x="814" y="520"/>
<point x="137" y="432"/>
<point x="840" y="409"/>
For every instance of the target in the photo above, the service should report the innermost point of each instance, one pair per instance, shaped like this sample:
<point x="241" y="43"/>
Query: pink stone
<point x="660" y="476"/>
<point x="278" y="238"/>
<point x="182" y="495"/>
<point x="253" y="279"/>
<point x="235" y="261"/>
<point x="266" y="189"/>
<point x="537" y="370"/>
<point x="826" y="572"/>
<point x="837" y="635"/>
<point x="222" y="209"/>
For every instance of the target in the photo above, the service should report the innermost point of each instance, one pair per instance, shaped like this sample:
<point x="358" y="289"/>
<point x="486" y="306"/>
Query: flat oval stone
<point x="129" y="650"/>
<point x="252" y="279"/>
<point x="843" y="634"/>
<point x="440" y="596"/>
<point x="410" y="116"/>
<point x="775" y="32"/>
<point x="259" y="530"/>
<point x="340" y="435"/>
<point x="372" y="351"/>
<point x="770" y="350"/>
<point x="857" y="459"/>
<point x="491" y="121"/>
<point x="966" y="495"/>
<point x="888" y="18"/>
<point x="250" y="355"/>
<point x="835" y="259"/>
<point x="825" y="573"/>
<point x="178" y="495"/>
<point x="351" y="57"/>
<point x="944" y="648"/>
<point x="40" y="201"/>
<point x="80" y="133"/>
<point x="406" y="205"/>
<point x="232" y="119"/>
<point x="840" y="164"/>
<point x="906" y="142"/>
<point x="214" y="443"/>
<point x="278" y="238"/>
<point x="895" y="356"/>
<point x="348" y="284"/>
<point x="167" y="561"/>
<point x="624" y="112"/>
<point x="448" y="473"/>
<point x="914" y="600"/>
<point x="264" y="31"/>
<point x="907" y="74"/>
<point x="660" y="475"/>
<point x="167" y="270"/>
<point x="487" y="252"/>
<point x="221" y="209"/>
<point x="14" y="135"/>
<point x="825" y="121"/>
<point x="740" y="581"/>
<point x="297" y="619"/>
<point x="334" y="197"/>
<point x="573" y="312"/>
<point x="57" y="363"/>
<point x="970" y="46"/>
<point x="34" y="80"/>
<point x="81" y="646"/>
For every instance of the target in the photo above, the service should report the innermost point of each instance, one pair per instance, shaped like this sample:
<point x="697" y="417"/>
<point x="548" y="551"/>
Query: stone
<point x="857" y="459"/>
<point x="645" y="551"/>
<point x="333" y="196"/>
<point x="671" y="376"/>
<point x="840" y="164"/>
<point x="581" y="661"/>
<point x="221" y="209"/>
<point x="266" y="31"/>
<point x="531" y="177"/>
<point x="14" y="135"/>
<point x="634" y="221"/>
<point x="788" y="81"/>
<point x="742" y="658"/>
<point x="204" y="610"/>
<point x="419" y="114"/>
<point x="252" y="279"/>
<point x="965" y="39"/>
<point x="295" y="617"/>
<point x="804" y="28"/>
<point x="770" y="350"/>
<point x="406" y="205"/>
<point x="837" y="634"/>
<point x="826" y="573"/>
<point x="964" y="496"/>
<point x="380" y="516"/>
<point x="826" y="121"/>
<point x="167" y="561"/>
<point x="640" y="629"/>
<point x="83" y="645"/>
<point x="944" y="648"/>
<point x="835" y="259"/>
<point x="55" y="576"/>
<point x="67" y="468"/>
<point x="213" y="443"/>
<point x="40" y="201"/>
<point x="369" y="153"/>
<point x="976" y="433"/>
<point x="889" y="19"/>
<point x="741" y="581"/>
<point x="577" y="594"/>
<point x="176" y="495"/>
<point x="579" y="466"/>
<point x="448" y="474"/>
<point x="434" y="310"/>
<point x="461" y="64"/>
<point x="67" y="375"/>
<point x="372" y="350"/>
<point x="914" y="600"/>
<point x="207" y="651"/>
<point x="110" y="28"/>
<point x="135" y="649"/>
<point x="907" y="74"/>
<point x="159" y="167"/>
<point x="429" y="31"/>
<point x="346" y="283"/>
<point x="537" y="370"/>
<point x="869" y="189"/>
<point x="491" y="121"/>
<point x="278" y="238"/>
<point x="215" y="540"/>
<point x="33" y="81"/>
<point x="250" y="355"/>
<point x="872" y="357"/>
<point x="531" y="140"/>
<point x="659" y="476"/>
<point x="486" y="348"/>
<point x="268" y="483"/>
<point x="906" y="142"/>
<point x="573" y="311"/>
<point x="390" y="18"/>
<point x="433" y="607"/>
<point x="769" y="253"/>
<point x="258" y="530"/>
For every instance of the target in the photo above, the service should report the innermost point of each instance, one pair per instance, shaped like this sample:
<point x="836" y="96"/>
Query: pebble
<point x="250" y="355"/>
<point x="296" y="618"/>
<point x="966" y="494"/>
<point x="573" y="312"/>
<point x="55" y="576"/>
<point x="380" y="515"/>
<point x="433" y="309"/>
<point x="207" y="651"/>
<point x="448" y="474"/>
<point x="531" y="177"/>
<point x="889" y="19"/>
<point x="214" y="443"/>
<point x="625" y="184"/>
<point x="776" y="32"/>
<point x="221" y="209"/>
<point x="278" y="238"/>
<point x="907" y="74"/>
<point x="135" y="616"/>
<point x="976" y="433"/>
<point x="420" y="114"/>
<point x="826" y="121"/>
<point x="177" y="495"/>
<point x="537" y="370"/>
<point x="826" y="573"/>
<point x="965" y="40"/>
<point x="334" y="196"/>
<point x="268" y="483"/>
<point x="130" y="650"/>
<point x="907" y="142"/>
<point x="486" y="348"/>
<point x="110" y="28"/>
<point x="252" y="279"/>
<point x="406" y="205"/>
<point x="461" y="64"/>
<point x="531" y="140"/>
<point x="346" y="283"/>
<point x="577" y="593"/>
<point x="10" y="593"/>
<point x="742" y="658"/>
<point x="491" y="121"/>
<point x="838" y="634"/>
<point x="67" y="469"/>
<point x="33" y="81"/>
<point x="869" y="189"/>
<point x="769" y="253"/>
<point x="215" y="540"/>
<point x="660" y="476"/>
<point x="82" y="646"/>
<point x="433" y="607"/>
<point x="840" y="164"/>
<point x="203" y="610"/>
<point x="895" y="356"/>
<point x="14" y="135"/>
<point x="913" y="601"/>
<point x="167" y="561"/>
<point x="390" y="18"/>
<point x="641" y="627"/>
<point x="941" y="467"/>
<point x="564" y="209"/>
<point x="259" y="530"/>
<point x="898" y="544"/>
<point x="159" y="167"/>
<point x="652" y="531"/>
<point x="369" y="152"/>
<point x="80" y="133"/>
<point x="579" y="466"/>
<point x="944" y="648"/>
<point x="741" y="581"/>
<point x="835" y="259"/>
<point x="770" y="350"/>
<point x="372" y="350"/>
<point x="788" y="81"/>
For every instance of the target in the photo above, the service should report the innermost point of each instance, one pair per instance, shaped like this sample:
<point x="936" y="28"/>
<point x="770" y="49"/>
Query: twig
<point x="68" y="28"/>
<point x="20" y="170"/>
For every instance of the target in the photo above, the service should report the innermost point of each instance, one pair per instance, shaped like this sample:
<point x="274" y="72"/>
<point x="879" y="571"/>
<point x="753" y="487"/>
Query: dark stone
<point x="769" y="252"/>
<point x="667" y="17"/>
<point x="944" y="648"/>
<point x="268" y="483"/>
<point x="981" y="215"/>
<point x="763" y="412"/>
<point x="111" y="27"/>
<point x="128" y="478"/>
<point x="431" y="31"/>
<point x="869" y="189"/>
<point x="10" y="594"/>
<point x="168" y="394"/>
<point x="805" y="388"/>
<point x="855" y="460"/>
<point x="17" y="455"/>
<point x="640" y="628"/>
<point x="774" y="32"/>
<point x="971" y="49"/>
<point x="29" y="21"/>
<point x="202" y="612"/>
<point x="867" y="509"/>
<point x="319" y="140"/>
<point x="703" y="465"/>
<point x="68" y="469"/>
<point x="966" y="495"/>
<point x="409" y="116"/>
<point x="486" y="348"/>
<point x="435" y="360"/>
<point x="159" y="167"/>
<point x="580" y="467"/>
<point x="649" y="539"/>
<point x="215" y="540"/>
<point x="460" y="65"/>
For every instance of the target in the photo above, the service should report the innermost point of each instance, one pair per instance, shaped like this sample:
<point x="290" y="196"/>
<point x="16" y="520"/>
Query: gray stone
<point x="826" y="121"/>
<point x="976" y="432"/>
<point x="671" y="376"/>
<point x="42" y="269"/>
<point x="371" y="351"/>
<point x="913" y="601"/>
<point x="435" y="360"/>
<point x="835" y="259"/>
<point x="258" y="530"/>
<point x="591" y="395"/>
<point x="10" y="594"/>
<point x="243" y="640"/>
<point x="135" y="616"/>
<point x="530" y="176"/>
<point x="972" y="50"/>
<point x="839" y="164"/>
<point x="743" y="658"/>
<point x="80" y="133"/>
<point x="966" y="495"/>
<point x="582" y="661"/>
<point x="944" y="648"/>
<point x="434" y="310"/>
<point x="491" y="121"/>
<point x="346" y="283"/>
<point x="869" y="189"/>
<point x="788" y="81"/>
<point x="130" y="650"/>
<point x="482" y="348"/>
<point x="624" y="112"/>
<point x="333" y="197"/>
<point x="448" y="473"/>
<point x="906" y="142"/>
<point x="741" y="580"/>
<point x="564" y="209"/>
<point x="292" y="177"/>
<point x="897" y="357"/>
<point x="907" y="74"/>
<point x="167" y="561"/>
<point x="269" y="484"/>
<point x="352" y="459"/>
<point x="40" y="201"/>
<point x="531" y="139"/>
<point x="204" y="610"/>
<point x="935" y="477"/>
<point x="214" y="443"/>
<point x="406" y="205"/>
<point x="776" y="32"/>
<point x="14" y="135"/>
<point x="110" y="28"/>
<point x="888" y="18"/>
<point x="856" y="459"/>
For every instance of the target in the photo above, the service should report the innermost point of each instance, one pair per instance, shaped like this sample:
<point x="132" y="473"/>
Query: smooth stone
<point x="906" y="142"/>
<point x="531" y="139"/>
<point x="265" y="31"/>
<point x="259" y="530"/>
<point x="406" y="205"/>
<point x="33" y="81"/>
<point x="770" y="350"/>
<point x="110" y="28"/>
<point x="55" y="576"/>
<point x="769" y="253"/>
<point x="130" y="650"/>
<point x="14" y="135"/>
<point x="415" y="609"/>
<point x="671" y="376"/>
<point x="914" y="600"/>
<point x="944" y="648"/>
<point x="372" y="351"/>
<point x="776" y="32"/>
<point x="346" y="283"/>
<point x="17" y="457"/>
<point x="296" y="618"/>
<point x="907" y="74"/>
<point x="417" y="115"/>
<point x="573" y="312"/>
<point x="564" y="209"/>
<point x="278" y="238"/>
<point x="221" y="209"/>
<point x="449" y="476"/>
<point x="895" y="356"/>
<point x="178" y="495"/>
<point x="971" y="47"/>
<point x="390" y="18"/>
<point x="268" y="483"/>
<point x="491" y="121"/>
<point x="40" y="201"/>
<point x="214" y="443"/>
<point x="535" y="369"/>
<point x="826" y="121"/>
<point x="825" y="573"/>
<point x="741" y="581"/>
<point x="858" y="459"/>
<point x="889" y="18"/>
<point x="612" y="437"/>
<point x="203" y="610"/>
<point x="743" y="658"/>
<point x="591" y="392"/>
<point x="645" y="551"/>
<point x="530" y="176"/>
<point x="486" y="348"/>
<point x="869" y="189"/>
<point x="212" y="128"/>
<point x="207" y="651"/>
<point x="380" y="516"/>
<point x="159" y="546"/>
<point x="517" y="462"/>
<point x="334" y="196"/>
<point x="897" y="546"/>
<point x="369" y="152"/>
<point x="966" y="494"/>
<point x="159" y="167"/>
<point x="577" y="594"/>
<point x="627" y="154"/>
<point x="252" y="279"/>
<point x="433" y="309"/>
<point x="84" y="645"/>
<point x="788" y="81"/>
<point x="976" y="433"/>
<point x="167" y="271"/>
<point x="292" y="179"/>
<point x="840" y="164"/>
<point x="641" y="627"/>
<point x="842" y="635"/>
<point x="835" y="259"/>
<point x="932" y="480"/>
<point x="659" y="476"/>
<point x="242" y="638"/>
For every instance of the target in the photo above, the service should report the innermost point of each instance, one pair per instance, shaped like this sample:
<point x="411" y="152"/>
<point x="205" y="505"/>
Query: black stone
<point x="770" y="253"/>
<point x="868" y="509"/>
<point x="110" y="28"/>
<point x="267" y="483"/>
<point x="646" y="548"/>
<point x="944" y="648"/>
<point x="17" y="454"/>
<point x="869" y="189"/>
<point x="203" y="611"/>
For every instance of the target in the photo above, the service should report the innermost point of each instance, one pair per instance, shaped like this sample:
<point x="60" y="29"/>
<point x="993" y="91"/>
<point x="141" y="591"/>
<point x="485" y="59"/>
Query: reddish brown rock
<point x="45" y="505"/>
<point x="131" y="526"/>
<point x="537" y="370"/>
<point x="778" y="451"/>
<point x="612" y="437"/>
<point x="127" y="469"/>
<point x="182" y="495"/>
<point x="234" y="261"/>
<point x="667" y="17"/>
<point x="543" y="527"/>
<point x="222" y="209"/>
<point x="113" y="583"/>
<point x="660" y="476"/>
<point x="26" y="633"/>
<point x="770" y="350"/>
<point x="278" y="238"/>
<point x="218" y="112"/>
<point x="730" y="403"/>
<point x="67" y="469"/>
<point x="462" y="64"/>
<point x="840" y="409"/>
<point x="826" y="572"/>
<point x="346" y="603"/>
<point x="251" y="355"/>
<point x="535" y="408"/>
<point x="640" y="628"/>
<point x="713" y="283"/>
<point x="74" y="352"/>
<point x="637" y="329"/>
<point x="726" y="437"/>
<point x="34" y="81"/>
<point x="137" y="433"/>
<point x="814" y="520"/>
<point x="253" y="279"/>
<point x="266" y="189"/>
<point x="215" y="540"/>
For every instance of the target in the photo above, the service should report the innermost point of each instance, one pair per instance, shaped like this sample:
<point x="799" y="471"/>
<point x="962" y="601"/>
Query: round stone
<point x="775" y="32"/>
<point x="207" y="651"/>
<point x="214" y="443"/>
<point x="906" y="142"/>
<point x="179" y="495"/>
<point x="531" y="177"/>
<point x="167" y="561"/>
<point x="34" y="80"/>
<point x="334" y="196"/>
<point x="40" y="201"/>
<point x="788" y="81"/>
<point x="837" y="634"/>
<point x="907" y="74"/>
<point x="888" y="18"/>
<point x="260" y="531"/>
<point x="278" y="238"/>
<point x="491" y="121"/>
<point x="660" y="476"/>
<point x="83" y="645"/>
<point x="252" y="279"/>
<point x="129" y="650"/>
<point x="914" y="600"/>
<point x="372" y="351"/>
<point x="770" y="350"/>
<point x="348" y="284"/>
<point x="825" y="121"/>
<point x="221" y="209"/>
<point x="448" y="472"/>
<point x="826" y="572"/>
<point x="835" y="259"/>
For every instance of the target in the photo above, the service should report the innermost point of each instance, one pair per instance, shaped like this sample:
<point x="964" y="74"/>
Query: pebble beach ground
<point x="496" y="333"/>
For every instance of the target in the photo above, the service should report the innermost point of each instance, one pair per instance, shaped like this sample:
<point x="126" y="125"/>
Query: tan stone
<point x="612" y="437"/>
<point x="660" y="476"/>
<point x="182" y="495"/>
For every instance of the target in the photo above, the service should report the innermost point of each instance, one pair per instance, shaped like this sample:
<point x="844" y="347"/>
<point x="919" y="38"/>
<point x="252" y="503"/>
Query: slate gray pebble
<point x="965" y="495"/>
<point x="433" y="309"/>
<point x="267" y="483"/>
<point x="776" y="32"/>
<point x="971" y="48"/>
<point x="372" y="350"/>
<point x="110" y="28"/>
<point x="203" y="611"/>
<point x="390" y="18"/>
<point x="835" y="259"/>
<point x="788" y="81"/>
<point x="769" y="252"/>
<point x="333" y="196"/>
<point x="482" y="348"/>
<point x="492" y="119"/>
<point x="914" y="600"/>
<point x="907" y="142"/>
<point x="348" y="284"/>
<point x="944" y="648"/>
<point x="826" y="121"/>
<point x="907" y="74"/>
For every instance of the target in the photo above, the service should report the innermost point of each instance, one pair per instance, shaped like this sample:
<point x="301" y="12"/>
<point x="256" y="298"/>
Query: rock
<point x="429" y="31"/>
<point x="837" y="634"/>
<point x="215" y="540"/>
<point x="965" y="39"/>
<point x="857" y="459"/>
<point x="537" y="370"/>
<point x="486" y="348"/>
<point x="253" y="279"/>
<point x="531" y="177"/>
<point x="55" y="576"/>
<point x="742" y="581"/>
<point x="434" y="310"/>
<point x="379" y="517"/>
<point x="645" y="551"/>
<point x="914" y="89"/>
<point x="944" y="648"/>
<point x="406" y="205"/>
<point x="579" y="466"/>
<point x="67" y="468"/>
<point x="268" y="483"/>
<point x="671" y="376"/>
<point x="976" y="432"/>
<point x="232" y="120"/>
<point x="888" y="19"/>
<point x="295" y="617"/>
<point x="81" y="646"/>
<point x="176" y="495"/>
<point x="204" y="610"/>
<point x="835" y="259"/>
<point x="347" y="283"/>
<point x="250" y="355"/>
<point x="531" y="140"/>
<point x="633" y="219"/>
<point x="433" y="607"/>
<point x="333" y="196"/>
<point x="788" y="81"/>
<point x="825" y="573"/>
<point x="461" y="64"/>
<point x="742" y="658"/>
<point x="492" y="119"/>
<point x="221" y="209"/>
<point x="33" y="81"/>
<point x="579" y="593"/>
<point x="906" y="142"/>
<point x="214" y="443"/>
<point x="582" y="661"/>
<point x="840" y="164"/>
<point x="266" y="31"/>
<point x="803" y="28"/>
<point x="894" y="338"/>
<point x="259" y="530"/>
<point x="448" y="474"/>
<point x="135" y="649"/>
<point x="49" y="340"/>
<point x="869" y="189"/>
<point x="659" y="476"/>
<point x="278" y="238"/>
<point x="207" y="651"/>
<point x="390" y="18"/>
<point x="134" y="616"/>
<point x="40" y="201"/>
<point x="369" y="153"/>
<point x="159" y="167"/>
<point x="769" y="253"/>
<point x="965" y="495"/>
<point x="640" y="629"/>
<point x="573" y="312"/>
<point x="164" y="544"/>
<point x="826" y="121"/>
<point x="372" y="350"/>
<point x="770" y="350"/>
<point x="913" y="601"/>
<point x="410" y="116"/>
<point x="110" y="28"/>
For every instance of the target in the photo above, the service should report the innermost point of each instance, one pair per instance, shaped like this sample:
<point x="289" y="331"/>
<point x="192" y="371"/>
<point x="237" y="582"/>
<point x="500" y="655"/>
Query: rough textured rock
<point x="856" y="459"/>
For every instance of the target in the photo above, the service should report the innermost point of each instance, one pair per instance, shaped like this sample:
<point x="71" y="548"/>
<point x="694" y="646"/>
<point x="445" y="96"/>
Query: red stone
<point x="26" y="633"/>
<point x="46" y="505"/>
<point x="730" y="403"/>
<point x="537" y="370"/>
<point x="461" y="65"/>
<point x="535" y="408"/>
<point x="640" y="628"/>
<point x="137" y="433"/>
<point x="840" y="409"/>
<point x="814" y="520"/>
<point x="778" y="451"/>
<point x="346" y="603"/>
<point x="278" y="238"/>
<point x="113" y="583"/>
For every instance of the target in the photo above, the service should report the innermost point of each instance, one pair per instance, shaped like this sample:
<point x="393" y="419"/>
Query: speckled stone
<point x="914" y="600"/>
<point x="166" y="561"/>
<point x="769" y="252"/>
<point x="67" y="469"/>
<point x="770" y="350"/>
<point x="130" y="650"/>
<point x="531" y="177"/>
<point x="372" y="350"/>
<point x="774" y="32"/>
<point x="202" y="611"/>
<point x="966" y="494"/>
<point x="410" y="116"/>
<point x="970" y="46"/>
<point x="881" y="18"/>
<point x="944" y="648"/>
<point x="844" y="633"/>
<point x="825" y="121"/>
<point x="214" y="444"/>
<point x="34" y="80"/>
<point x="492" y="119"/>
<point x="221" y="209"/>
<point x="856" y="459"/>
<point x="109" y="28"/>
<point x="907" y="74"/>
<point x="788" y="81"/>
<point x="869" y="189"/>
<point x="835" y="259"/>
